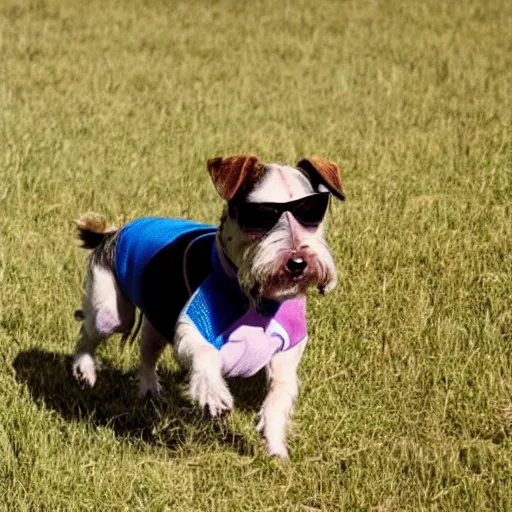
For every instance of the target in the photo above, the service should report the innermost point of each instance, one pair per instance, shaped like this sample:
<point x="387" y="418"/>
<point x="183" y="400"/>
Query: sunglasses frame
<point x="235" y="207"/>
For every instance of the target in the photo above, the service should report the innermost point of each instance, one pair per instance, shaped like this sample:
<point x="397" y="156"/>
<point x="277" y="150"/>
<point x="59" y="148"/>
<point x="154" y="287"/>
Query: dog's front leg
<point x="207" y="385"/>
<point x="278" y="404"/>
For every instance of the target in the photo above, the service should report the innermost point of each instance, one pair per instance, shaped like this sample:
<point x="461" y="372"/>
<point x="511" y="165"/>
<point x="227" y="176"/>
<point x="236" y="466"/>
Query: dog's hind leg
<point x="152" y="343"/>
<point x="105" y="312"/>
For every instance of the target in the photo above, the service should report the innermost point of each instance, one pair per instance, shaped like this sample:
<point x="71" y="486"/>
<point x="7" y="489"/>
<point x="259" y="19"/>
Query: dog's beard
<point x="263" y="273"/>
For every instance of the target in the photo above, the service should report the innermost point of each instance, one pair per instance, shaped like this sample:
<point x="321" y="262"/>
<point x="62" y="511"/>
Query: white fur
<point x="278" y="405"/>
<point x="106" y="311"/>
<point x="280" y="184"/>
<point x="263" y="263"/>
<point x="84" y="369"/>
<point x="207" y="385"/>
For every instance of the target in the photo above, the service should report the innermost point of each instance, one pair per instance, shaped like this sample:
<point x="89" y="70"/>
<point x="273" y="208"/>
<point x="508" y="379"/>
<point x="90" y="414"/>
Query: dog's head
<point x="272" y="226"/>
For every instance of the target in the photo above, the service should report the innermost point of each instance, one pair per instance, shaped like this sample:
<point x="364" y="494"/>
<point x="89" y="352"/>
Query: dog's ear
<point x="325" y="172"/>
<point x="230" y="174"/>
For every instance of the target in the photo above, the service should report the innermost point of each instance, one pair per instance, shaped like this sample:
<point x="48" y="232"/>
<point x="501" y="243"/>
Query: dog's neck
<point x="223" y="267"/>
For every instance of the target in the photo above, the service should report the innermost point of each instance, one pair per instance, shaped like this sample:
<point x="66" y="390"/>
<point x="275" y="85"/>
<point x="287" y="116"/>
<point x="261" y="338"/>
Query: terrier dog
<point x="249" y="296"/>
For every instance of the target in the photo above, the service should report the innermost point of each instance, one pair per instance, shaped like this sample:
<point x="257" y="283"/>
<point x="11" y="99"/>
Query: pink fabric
<point x="254" y="338"/>
<point x="292" y="317"/>
<point x="248" y="350"/>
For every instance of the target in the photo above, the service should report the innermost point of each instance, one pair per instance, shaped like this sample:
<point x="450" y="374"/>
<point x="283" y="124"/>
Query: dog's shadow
<point x="113" y="403"/>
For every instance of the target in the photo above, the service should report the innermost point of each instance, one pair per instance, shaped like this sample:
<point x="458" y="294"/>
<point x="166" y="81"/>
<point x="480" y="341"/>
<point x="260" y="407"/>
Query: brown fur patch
<point x="328" y="173"/>
<point x="234" y="175"/>
<point x="92" y="222"/>
<point x="91" y="230"/>
<point x="94" y="234"/>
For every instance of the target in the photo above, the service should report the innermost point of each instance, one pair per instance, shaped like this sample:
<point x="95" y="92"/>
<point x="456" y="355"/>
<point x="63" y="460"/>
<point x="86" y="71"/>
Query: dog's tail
<point x="92" y="229"/>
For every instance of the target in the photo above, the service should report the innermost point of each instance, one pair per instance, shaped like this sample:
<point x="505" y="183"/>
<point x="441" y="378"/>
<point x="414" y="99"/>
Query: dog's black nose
<point x="296" y="266"/>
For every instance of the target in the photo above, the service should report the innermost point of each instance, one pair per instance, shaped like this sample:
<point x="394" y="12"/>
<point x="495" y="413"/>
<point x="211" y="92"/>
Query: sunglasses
<point x="309" y="211"/>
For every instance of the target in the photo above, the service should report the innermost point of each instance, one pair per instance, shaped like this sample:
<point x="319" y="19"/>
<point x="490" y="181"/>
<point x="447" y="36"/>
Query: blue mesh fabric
<point x="215" y="305"/>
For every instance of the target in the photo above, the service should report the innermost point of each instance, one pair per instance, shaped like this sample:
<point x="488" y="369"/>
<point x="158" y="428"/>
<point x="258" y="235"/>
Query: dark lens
<point x="257" y="217"/>
<point x="310" y="211"/>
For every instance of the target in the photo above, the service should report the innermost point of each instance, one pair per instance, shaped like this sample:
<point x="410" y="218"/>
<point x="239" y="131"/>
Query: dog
<point x="269" y="249"/>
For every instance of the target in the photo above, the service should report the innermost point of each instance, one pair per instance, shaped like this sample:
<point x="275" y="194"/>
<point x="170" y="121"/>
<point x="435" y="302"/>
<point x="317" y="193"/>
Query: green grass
<point x="114" y="106"/>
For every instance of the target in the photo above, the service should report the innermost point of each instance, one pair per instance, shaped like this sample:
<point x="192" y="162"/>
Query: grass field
<point x="114" y="106"/>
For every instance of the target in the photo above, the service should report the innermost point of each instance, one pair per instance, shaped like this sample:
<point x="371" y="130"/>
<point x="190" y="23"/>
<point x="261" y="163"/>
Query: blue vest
<point x="149" y="263"/>
<point x="140" y="241"/>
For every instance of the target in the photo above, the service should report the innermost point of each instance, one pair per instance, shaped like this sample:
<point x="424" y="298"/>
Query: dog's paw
<point x="148" y="384"/>
<point x="209" y="389"/>
<point x="84" y="369"/>
<point x="275" y="447"/>
<point x="281" y="452"/>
